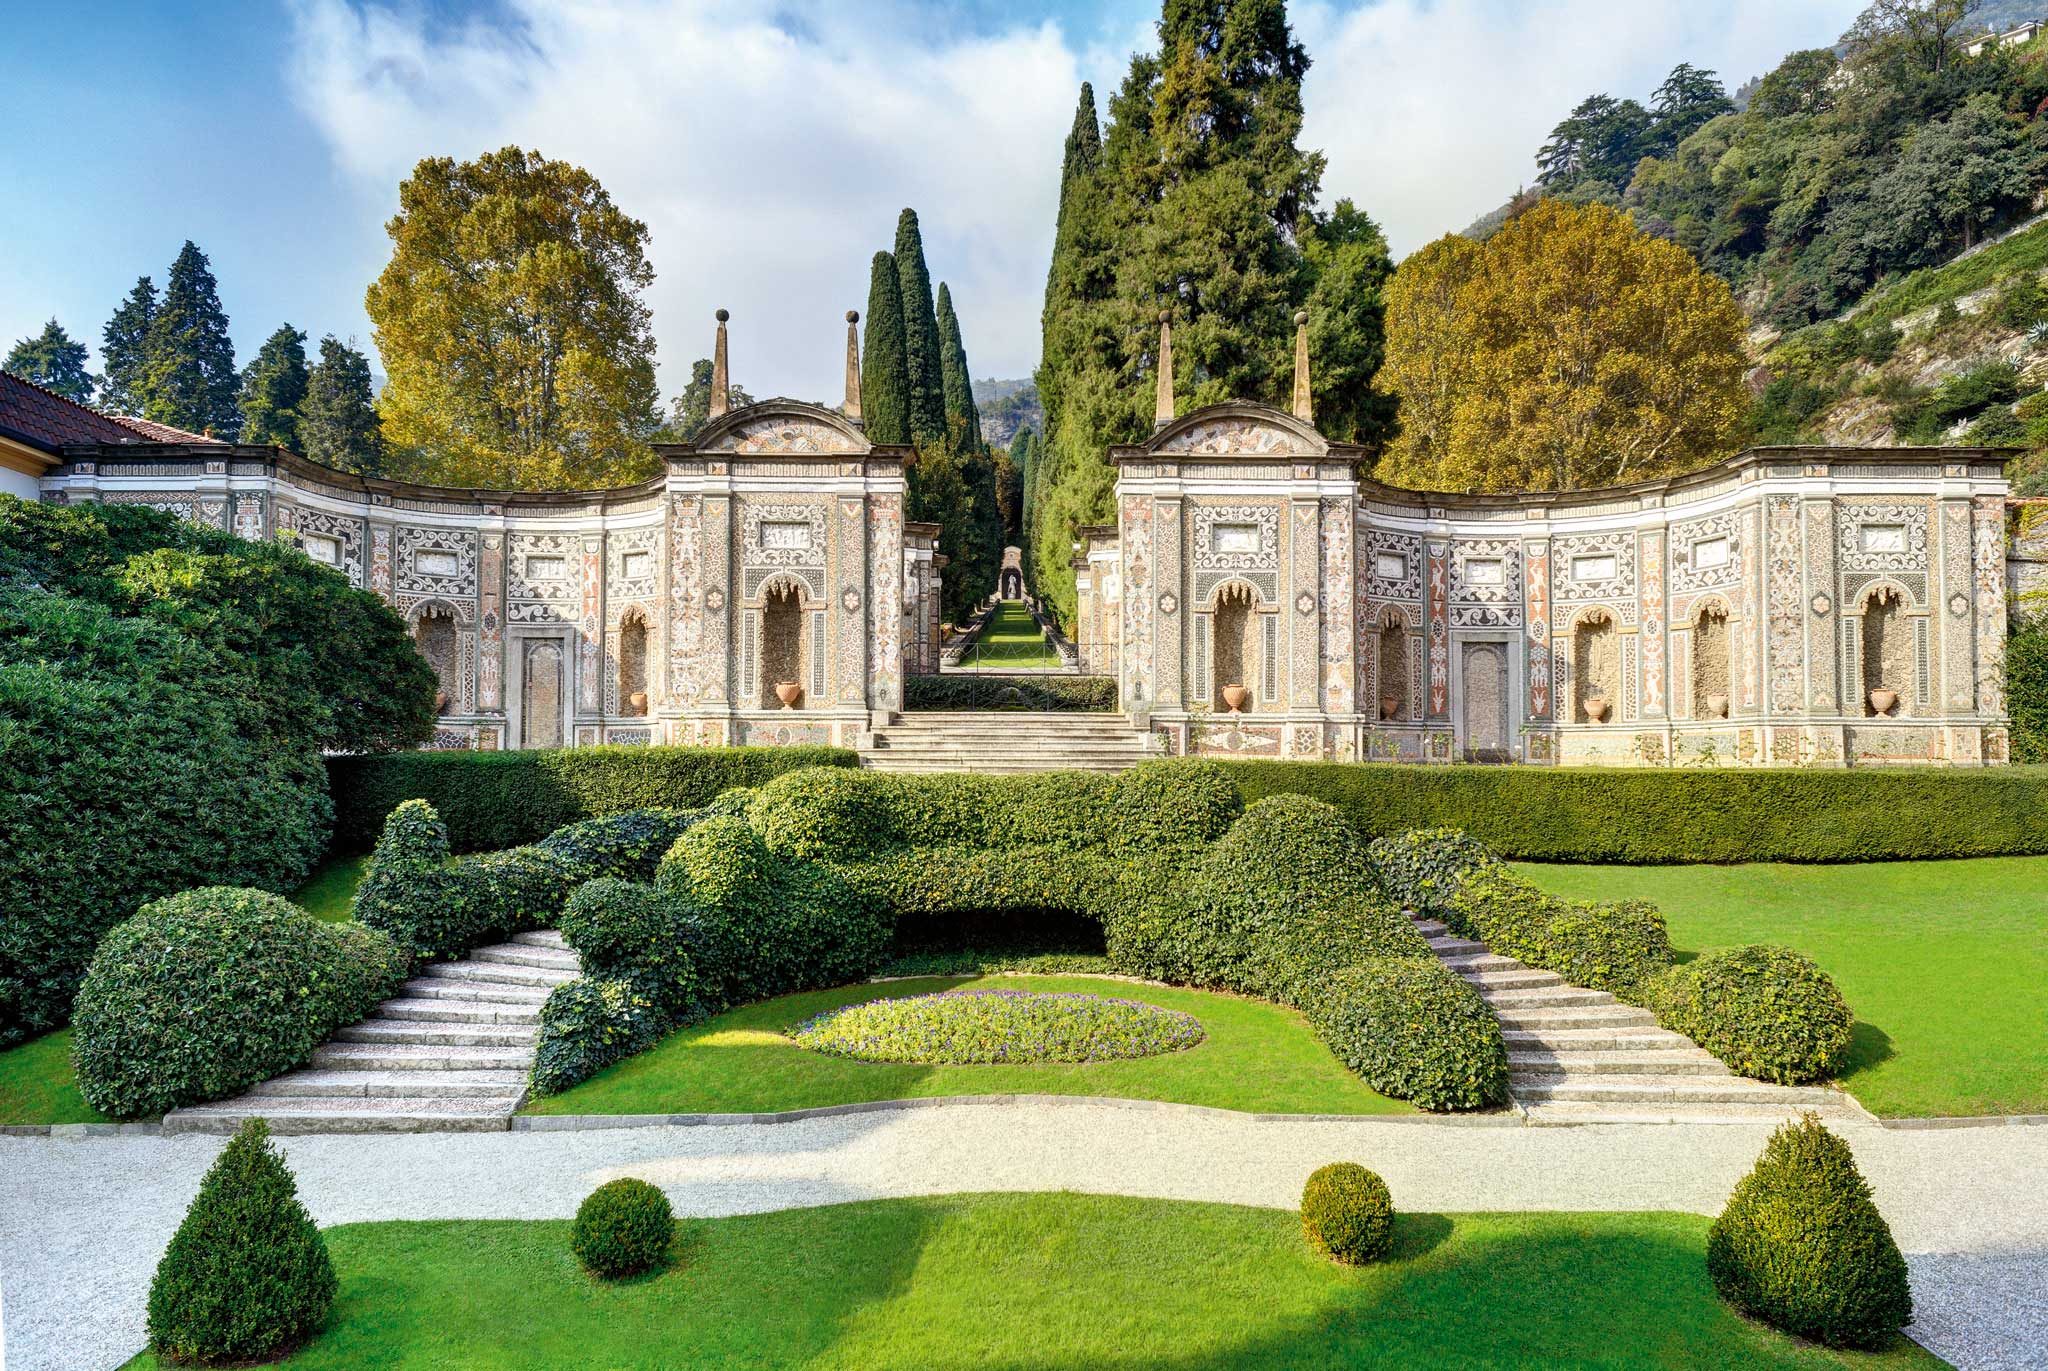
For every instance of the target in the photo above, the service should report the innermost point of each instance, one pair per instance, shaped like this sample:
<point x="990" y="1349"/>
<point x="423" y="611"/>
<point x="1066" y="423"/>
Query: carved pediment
<point x="784" y="435"/>
<point x="1239" y="430"/>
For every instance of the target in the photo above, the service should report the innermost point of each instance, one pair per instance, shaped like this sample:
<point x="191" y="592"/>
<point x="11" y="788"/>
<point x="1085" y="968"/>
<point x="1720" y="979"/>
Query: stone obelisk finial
<point x="853" y="365"/>
<point x="720" y="388"/>
<point x="1302" y="408"/>
<point x="1162" y="414"/>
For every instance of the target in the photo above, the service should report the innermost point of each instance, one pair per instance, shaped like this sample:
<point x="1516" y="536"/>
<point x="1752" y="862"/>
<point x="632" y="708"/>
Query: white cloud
<point x="769" y="155"/>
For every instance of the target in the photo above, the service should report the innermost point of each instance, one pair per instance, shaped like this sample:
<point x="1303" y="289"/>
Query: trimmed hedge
<point x="1768" y="1012"/>
<point x="1618" y="948"/>
<point x="1642" y="815"/>
<point x="1347" y="1214"/>
<point x="1412" y="1028"/>
<point x="623" y="1228"/>
<point x="505" y="799"/>
<point x="204" y="994"/>
<point x="1424" y="869"/>
<point x="1081" y="694"/>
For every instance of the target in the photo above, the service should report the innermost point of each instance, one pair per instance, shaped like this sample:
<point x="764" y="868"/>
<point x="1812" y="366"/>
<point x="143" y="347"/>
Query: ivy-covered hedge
<point x="1079" y="694"/>
<point x="1413" y="1029"/>
<point x="504" y="799"/>
<point x="1642" y="815"/>
<point x="2026" y="686"/>
<point x="1618" y="948"/>
<point x="1768" y="1012"/>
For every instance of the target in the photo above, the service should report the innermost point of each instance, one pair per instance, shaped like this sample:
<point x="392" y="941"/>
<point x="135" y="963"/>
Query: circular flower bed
<point x="979" y="1027"/>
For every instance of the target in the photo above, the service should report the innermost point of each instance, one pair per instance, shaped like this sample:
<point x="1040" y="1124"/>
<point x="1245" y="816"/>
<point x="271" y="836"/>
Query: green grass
<point x="1010" y="1282"/>
<point x="1942" y="962"/>
<point x="37" y="1084"/>
<point x="1012" y="639"/>
<point x="1257" y="1057"/>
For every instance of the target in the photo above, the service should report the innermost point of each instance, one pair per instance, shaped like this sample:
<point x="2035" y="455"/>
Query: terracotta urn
<point x="637" y="702"/>
<point x="1883" y="699"/>
<point x="1717" y="706"/>
<point x="1389" y="706"/>
<point x="440" y="702"/>
<point x="789" y="692"/>
<point x="1596" y="708"/>
<point x="1234" y="696"/>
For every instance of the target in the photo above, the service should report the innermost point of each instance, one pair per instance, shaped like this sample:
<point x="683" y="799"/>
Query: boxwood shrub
<point x="1347" y="1214"/>
<point x="623" y="1228"/>
<point x="1768" y="1012"/>
<point x="1413" y="1029"/>
<point x="203" y="994"/>
<point x="1642" y="815"/>
<point x="505" y="799"/>
<point x="979" y="690"/>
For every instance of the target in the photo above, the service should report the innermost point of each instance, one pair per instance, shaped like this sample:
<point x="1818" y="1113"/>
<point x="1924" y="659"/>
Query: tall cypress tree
<point x="274" y="390"/>
<point x="124" y="349"/>
<point x="338" y="422"/>
<point x="885" y="374"/>
<point x="981" y="533"/>
<point x="963" y="421"/>
<point x="923" y="357"/>
<point x="189" y="379"/>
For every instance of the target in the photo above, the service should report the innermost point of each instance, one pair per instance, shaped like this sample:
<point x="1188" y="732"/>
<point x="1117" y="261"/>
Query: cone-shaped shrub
<point x="246" y="1277"/>
<point x="1347" y="1214"/>
<point x="1802" y="1247"/>
<point x="623" y="1228"/>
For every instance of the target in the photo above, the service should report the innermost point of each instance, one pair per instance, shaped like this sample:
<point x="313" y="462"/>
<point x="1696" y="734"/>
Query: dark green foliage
<point x="2026" y="687"/>
<point x="975" y="527"/>
<point x="188" y="377"/>
<point x="1802" y="1247"/>
<point x="1411" y="1028"/>
<point x="2021" y="303"/>
<point x="963" y="420"/>
<point x="127" y="771"/>
<point x="501" y="799"/>
<point x="274" y="390"/>
<point x="204" y="994"/>
<point x="1768" y="1012"/>
<point x="1618" y="948"/>
<point x="690" y="410"/>
<point x="623" y="1228"/>
<point x="885" y="366"/>
<point x="922" y="352"/>
<point x="1927" y="417"/>
<point x="822" y="814"/>
<point x="1785" y="409"/>
<point x="1347" y="1214"/>
<point x="627" y="929"/>
<point x="589" y="1024"/>
<point x="1169" y="802"/>
<point x="1640" y="816"/>
<point x="54" y="360"/>
<point x="338" y="423"/>
<point x="1421" y="870"/>
<point x="246" y="1277"/>
<point x="1096" y="694"/>
<point x="124" y="349"/>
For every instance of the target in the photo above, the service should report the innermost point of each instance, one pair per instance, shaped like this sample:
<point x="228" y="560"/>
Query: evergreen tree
<point x="1010" y="495"/>
<point x="691" y="410"/>
<point x="274" y="390"/>
<point x="53" y="360"/>
<point x="124" y="349"/>
<point x="338" y="422"/>
<point x="885" y="374"/>
<point x="963" y="421"/>
<point x="922" y="351"/>
<point x="980" y="555"/>
<point x="188" y="376"/>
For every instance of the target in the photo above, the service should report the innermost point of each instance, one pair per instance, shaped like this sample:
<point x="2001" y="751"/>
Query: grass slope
<point x="1053" y="1281"/>
<point x="1012" y="638"/>
<point x="1942" y="962"/>
<point x="1257" y="1057"/>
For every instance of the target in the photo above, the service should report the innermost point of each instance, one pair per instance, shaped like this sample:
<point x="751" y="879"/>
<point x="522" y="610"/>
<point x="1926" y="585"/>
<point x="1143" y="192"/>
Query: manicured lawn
<point x="36" y="1081"/>
<point x="1053" y="1281"/>
<point x="1012" y="638"/>
<point x="1257" y="1057"/>
<point x="1944" y="963"/>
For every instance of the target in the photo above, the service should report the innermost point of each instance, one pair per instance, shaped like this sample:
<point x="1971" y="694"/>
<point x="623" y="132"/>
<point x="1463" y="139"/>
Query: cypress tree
<point x="963" y="421"/>
<point x="923" y="355"/>
<point x="124" y="349"/>
<point x="54" y="360"/>
<point x="338" y="421"/>
<point x="274" y="390"/>
<point x="981" y="537"/>
<point x="885" y="375"/>
<point x="189" y="379"/>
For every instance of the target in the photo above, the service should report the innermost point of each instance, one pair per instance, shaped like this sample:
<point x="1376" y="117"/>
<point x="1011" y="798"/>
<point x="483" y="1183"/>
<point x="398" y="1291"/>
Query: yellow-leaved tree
<point x="517" y="350"/>
<point x="1569" y="350"/>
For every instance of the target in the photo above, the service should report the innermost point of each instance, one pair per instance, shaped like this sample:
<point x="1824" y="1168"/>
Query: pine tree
<point x="188" y="378"/>
<point x="53" y="360"/>
<point x="885" y="374"/>
<point x="338" y="422"/>
<point x="124" y="349"/>
<point x="274" y="390"/>
<point x="922" y="351"/>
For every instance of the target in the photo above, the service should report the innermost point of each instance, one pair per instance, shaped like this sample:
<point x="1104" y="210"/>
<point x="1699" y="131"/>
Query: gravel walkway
<point x="83" y="1221"/>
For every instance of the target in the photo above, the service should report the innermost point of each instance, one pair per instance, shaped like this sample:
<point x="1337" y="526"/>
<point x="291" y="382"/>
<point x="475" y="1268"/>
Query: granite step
<point x="1560" y="996"/>
<point x="309" y="1083"/>
<point x="436" y="1010"/>
<point x="1638" y="1089"/>
<point x="1569" y="1114"/>
<point x="1449" y="947"/>
<point x="546" y="937"/>
<point x="1627" y="1037"/>
<point x="1617" y="1061"/>
<point x="289" y="1117"/>
<point x="346" y="1056"/>
<point x="1465" y="964"/>
<point x="1587" y="1016"/>
<point x="474" y="992"/>
<point x="524" y="954"/>
<point x="431" y="1033"/>
<point x="498" y="973"/>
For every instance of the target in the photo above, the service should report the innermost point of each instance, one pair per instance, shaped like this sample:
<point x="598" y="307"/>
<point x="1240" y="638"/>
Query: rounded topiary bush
<point x="204" y="994"/>
<point x="1169" y="802"/>
<point x="1617" y="947"/>
<point x="623" y="1228"/>
<point x="1768" y="1012"/>
<point x="719" y="861"/>
<point x="1347" y="1214"/>
<point x="1412" y="1029"/>
<point x="246" y="1277"/>
<point x="823" y="813"/>
<point x="1802" y="1247"/>
<point x="1422" y="869"/>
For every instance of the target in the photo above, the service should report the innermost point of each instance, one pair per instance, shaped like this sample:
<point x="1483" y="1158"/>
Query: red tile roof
<point x="160" y="433"/>
<point x="42" y="418"/>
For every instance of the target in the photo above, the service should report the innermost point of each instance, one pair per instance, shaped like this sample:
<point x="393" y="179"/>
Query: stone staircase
<point x="1003" y="741"/>
<point x="450" y="1052"/>
<point x="1582" y="1056"/>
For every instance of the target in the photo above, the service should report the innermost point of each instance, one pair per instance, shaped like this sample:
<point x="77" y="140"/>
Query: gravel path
<point x="83" y="1221"/>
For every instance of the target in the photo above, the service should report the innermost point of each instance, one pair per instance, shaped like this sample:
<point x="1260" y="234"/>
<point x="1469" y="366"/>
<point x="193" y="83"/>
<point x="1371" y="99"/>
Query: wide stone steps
<point x="1008" y="741"/>
<point x="1578" y="1056"/>
<point x="452" y="1051"/>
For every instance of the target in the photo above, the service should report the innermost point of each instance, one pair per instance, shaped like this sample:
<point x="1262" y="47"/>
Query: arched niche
<point x="1234" y="631"/>
<point x="1711" y="673"/>
<point x="633" y="691"/>
<point x="1887" y="653"/>
<point x="434" y="634"/>
<point x="784" y="658"/>
<point x="1392" y="653"/>
<point x="1596" y="667"/>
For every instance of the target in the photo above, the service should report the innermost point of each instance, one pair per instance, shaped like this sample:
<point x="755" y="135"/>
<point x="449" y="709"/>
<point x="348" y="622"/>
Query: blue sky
<point x="767" y="143"/>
